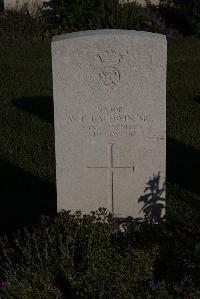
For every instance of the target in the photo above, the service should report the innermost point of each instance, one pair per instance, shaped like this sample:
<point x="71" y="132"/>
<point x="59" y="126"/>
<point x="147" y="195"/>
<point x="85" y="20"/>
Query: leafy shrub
<point x="161" y="290"/>
<point x="20" y="25"/>
<point x="183" y="15"/>
<point x="72" y="256"/>
<point x="94" y="256"/>
<point x="33" y="21"/>
<point x="68" y="16"/>
<point x="192" y="7"/>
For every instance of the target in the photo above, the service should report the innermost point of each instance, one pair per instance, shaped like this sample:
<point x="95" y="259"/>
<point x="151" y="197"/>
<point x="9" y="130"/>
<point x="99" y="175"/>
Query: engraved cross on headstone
<point x="110" y="169"/>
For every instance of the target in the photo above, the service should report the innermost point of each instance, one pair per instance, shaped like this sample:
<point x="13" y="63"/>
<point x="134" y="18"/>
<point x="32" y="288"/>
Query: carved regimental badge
<point x="110" y="75"/>
<point x="109" y="61"/>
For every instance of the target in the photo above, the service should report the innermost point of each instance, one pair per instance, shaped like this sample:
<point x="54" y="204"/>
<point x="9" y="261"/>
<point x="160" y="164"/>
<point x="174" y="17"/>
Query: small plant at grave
<point x="73" y="255"/>
<point x="96" y="256"/>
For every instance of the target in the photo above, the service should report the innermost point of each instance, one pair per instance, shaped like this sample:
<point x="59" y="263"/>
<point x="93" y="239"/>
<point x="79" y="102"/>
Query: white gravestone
<point x="142" y="2"/>
<point x="110" y="123"/>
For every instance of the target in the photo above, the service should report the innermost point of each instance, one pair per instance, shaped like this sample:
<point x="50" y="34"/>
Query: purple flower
<point x="149" y="23"/>
<point x="152" y="284"/>
<point x="3" y="285"/>
<point x="188" y="279"/>
<point x="129" y="247"/>
<point x="168" y="34"/>
<point x="178" y="289"/>
<point x="122" y="282"/>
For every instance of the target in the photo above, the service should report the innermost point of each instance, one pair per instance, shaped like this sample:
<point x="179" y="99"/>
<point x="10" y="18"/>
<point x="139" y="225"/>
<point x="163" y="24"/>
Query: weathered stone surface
<point x="142" y="2"/>
<point x="15" y="4"/>
<point x="110" y="122"/>
<point x="33" y="6"/>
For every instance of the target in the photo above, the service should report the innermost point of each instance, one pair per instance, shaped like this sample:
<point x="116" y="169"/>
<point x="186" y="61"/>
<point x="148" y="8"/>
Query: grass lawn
<point x="27" y="157"/>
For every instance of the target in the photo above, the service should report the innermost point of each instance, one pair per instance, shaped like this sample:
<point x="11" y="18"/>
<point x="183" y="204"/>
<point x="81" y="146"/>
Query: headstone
<point x="33" y="6"/>
<point x="110" y="123"/>
<point x="17" y="4"/>
<point x="142" y="2"/>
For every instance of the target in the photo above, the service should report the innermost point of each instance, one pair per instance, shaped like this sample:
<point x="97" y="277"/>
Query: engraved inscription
<point x="109" y="72"/>
<point x="109" y="121"/>
<point x="110" y="75"/>
<point x="111" y="168"/>
<point x="110" y="56"/>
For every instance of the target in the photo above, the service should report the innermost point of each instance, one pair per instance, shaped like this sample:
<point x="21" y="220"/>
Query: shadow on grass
<point x="24" y="198"/>
<point x="183" y="165"/>
<point x="42" y="107"/>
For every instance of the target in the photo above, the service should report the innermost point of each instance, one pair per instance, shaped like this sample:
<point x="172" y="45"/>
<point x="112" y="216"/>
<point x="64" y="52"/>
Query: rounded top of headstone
<point x="104" y="32"/>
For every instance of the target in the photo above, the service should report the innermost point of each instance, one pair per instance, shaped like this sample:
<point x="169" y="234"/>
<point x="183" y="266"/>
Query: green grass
<point x="183" y="91"/>
<point x="27" y="156"/>
<point x="26" y="139"/>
